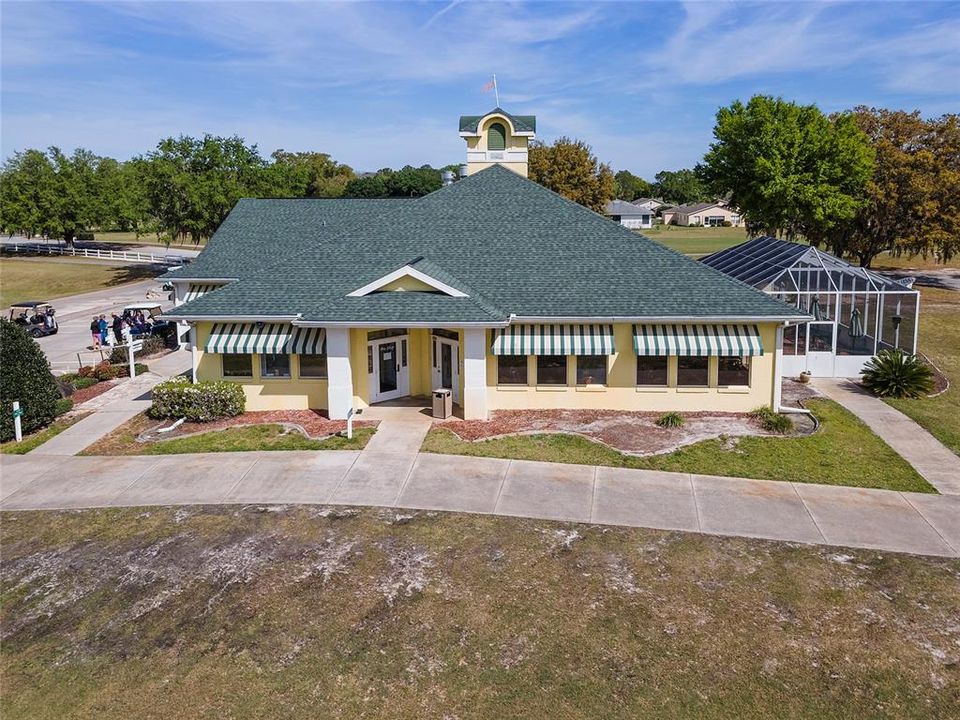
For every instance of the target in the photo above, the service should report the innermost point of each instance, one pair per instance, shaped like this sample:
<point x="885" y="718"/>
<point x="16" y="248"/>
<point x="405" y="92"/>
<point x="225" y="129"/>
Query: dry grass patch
<point x="330" y="612"/>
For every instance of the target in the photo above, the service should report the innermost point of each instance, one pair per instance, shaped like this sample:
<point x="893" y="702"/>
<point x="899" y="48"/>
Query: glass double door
<point x="387" y="368"/>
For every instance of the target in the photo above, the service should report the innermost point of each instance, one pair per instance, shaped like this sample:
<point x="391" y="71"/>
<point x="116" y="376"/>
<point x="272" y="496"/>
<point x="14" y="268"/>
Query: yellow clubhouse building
<point x="492" y="286"/>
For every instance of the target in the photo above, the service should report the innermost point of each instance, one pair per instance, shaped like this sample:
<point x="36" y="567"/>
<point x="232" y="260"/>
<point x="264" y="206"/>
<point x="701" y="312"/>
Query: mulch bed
<point x="89" y="393"/>
<point x="314" y="423"/>
<point x="632" y="432"/>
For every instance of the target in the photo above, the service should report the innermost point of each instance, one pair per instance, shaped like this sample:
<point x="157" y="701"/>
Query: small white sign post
<point x="131" y="349"/>
<point x="350" y="424"/>
<point x="17" y="412"/>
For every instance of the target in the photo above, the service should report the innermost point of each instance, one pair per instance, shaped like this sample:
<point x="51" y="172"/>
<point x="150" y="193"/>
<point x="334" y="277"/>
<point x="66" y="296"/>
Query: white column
<point x="475" y="374"/>
<point x="339" y="373"/>
<point x="193" y="353"/>
<point x="777" y="372"/>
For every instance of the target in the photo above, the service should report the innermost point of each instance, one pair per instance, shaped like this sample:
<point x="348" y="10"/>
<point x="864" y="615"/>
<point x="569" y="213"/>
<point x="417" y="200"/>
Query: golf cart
<point x="152" y="324"/>
<point x="36" y="317"/>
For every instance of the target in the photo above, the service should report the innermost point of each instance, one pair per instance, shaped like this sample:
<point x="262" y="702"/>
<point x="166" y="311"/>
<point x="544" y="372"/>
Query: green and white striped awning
<point x="309" y="341"/>
<point x="197" y="291"/>
<point x="554" y="340"/>
<point x="233" y="338"/>
<point x="723" y="340"/>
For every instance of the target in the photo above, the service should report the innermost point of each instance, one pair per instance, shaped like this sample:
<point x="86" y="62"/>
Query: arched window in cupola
<point x="496" y="137"/>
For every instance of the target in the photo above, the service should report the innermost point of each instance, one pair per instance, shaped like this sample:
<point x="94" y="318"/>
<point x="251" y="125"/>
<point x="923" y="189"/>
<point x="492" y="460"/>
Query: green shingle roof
<point x="521" y="123"/>
<point x="514" y="247"/>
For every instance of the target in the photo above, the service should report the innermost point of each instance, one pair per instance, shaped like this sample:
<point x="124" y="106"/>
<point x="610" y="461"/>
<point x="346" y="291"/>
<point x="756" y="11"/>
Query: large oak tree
<point x="570" y="168"/>
<point x="790" y="169"/>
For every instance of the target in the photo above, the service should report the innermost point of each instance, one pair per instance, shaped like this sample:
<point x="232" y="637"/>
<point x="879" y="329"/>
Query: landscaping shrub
<point x="771" y="421"/>
<point x="25" y="376"/>
<point x="63" y="405"/>
<point x="203" y="402"/>
<point x="670" y="420"/>
<point x="896" y="374"/>
<point x="84" y="382"/>
<point x="108" y="371"/>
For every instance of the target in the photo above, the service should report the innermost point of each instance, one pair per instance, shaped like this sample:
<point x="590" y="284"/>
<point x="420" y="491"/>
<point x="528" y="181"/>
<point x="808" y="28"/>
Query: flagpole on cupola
<point x="492" y="86"/>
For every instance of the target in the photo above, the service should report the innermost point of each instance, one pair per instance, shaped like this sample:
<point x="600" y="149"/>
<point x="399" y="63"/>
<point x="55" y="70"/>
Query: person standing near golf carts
<point x="95" y="332"/>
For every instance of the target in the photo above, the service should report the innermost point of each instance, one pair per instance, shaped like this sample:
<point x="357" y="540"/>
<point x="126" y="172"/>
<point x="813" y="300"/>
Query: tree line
<point x="859" y="183"/>
<point x="182" y="190"/>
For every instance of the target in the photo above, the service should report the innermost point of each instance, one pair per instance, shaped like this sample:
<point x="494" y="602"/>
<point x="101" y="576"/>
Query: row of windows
<point x="273" y="365"/>
<point x="692" y="371"/>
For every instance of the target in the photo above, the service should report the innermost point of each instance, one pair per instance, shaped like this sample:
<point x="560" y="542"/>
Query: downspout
<point x="777" y="364"/>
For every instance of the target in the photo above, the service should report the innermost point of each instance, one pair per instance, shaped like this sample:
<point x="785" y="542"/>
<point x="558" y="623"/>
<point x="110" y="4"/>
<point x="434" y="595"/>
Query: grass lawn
<point x="123" y="440"/>
<point x="940" y="341"/>
<point x="227" y="612"/>
<point x="29" y="442"/>
<point x="696" y="240"/>
<point x="885" y="261"/>
<point x="843" y="452"/>
<point x="699" y="241"/>
<point x="51" y="277"/>
<point x="129" y="238"/>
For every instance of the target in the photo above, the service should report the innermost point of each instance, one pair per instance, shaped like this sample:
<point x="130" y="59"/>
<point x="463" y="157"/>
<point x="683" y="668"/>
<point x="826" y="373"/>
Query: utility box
<point x="442" y="403"/>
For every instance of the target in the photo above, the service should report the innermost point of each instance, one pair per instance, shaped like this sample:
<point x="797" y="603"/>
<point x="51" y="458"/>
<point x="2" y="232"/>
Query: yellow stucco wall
<point x="622" y="393"/>
<point x="513" y="142"/>
<point x="292" y="393"/>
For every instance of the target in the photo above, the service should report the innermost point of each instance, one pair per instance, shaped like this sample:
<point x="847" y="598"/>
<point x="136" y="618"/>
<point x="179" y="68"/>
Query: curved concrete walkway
<point x="928" y="456"/>
<point x="796" y="512"/>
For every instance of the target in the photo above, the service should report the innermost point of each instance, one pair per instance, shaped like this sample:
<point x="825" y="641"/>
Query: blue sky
<point x="382" y="84"/>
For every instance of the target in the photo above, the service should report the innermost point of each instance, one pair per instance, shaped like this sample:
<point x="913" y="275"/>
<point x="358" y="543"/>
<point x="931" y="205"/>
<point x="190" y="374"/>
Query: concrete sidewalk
<point x="876" y="519"/>
<point x="114" y="407"/>
<point x="928" y="456"/>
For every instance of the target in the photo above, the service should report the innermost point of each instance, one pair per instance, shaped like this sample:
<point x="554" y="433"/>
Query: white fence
<point x="122" y="255"/>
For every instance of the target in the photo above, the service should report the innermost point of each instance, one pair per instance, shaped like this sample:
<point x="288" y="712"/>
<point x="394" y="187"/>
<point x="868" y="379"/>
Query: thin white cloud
<point x="724" y="42"/>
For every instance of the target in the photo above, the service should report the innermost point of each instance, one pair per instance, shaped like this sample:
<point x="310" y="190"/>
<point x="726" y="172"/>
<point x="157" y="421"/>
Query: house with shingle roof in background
<point x="651" y="204"/>
<point x="495" y="287"/>
<point x="707" y="214"/>
<point x="628" y="214"/>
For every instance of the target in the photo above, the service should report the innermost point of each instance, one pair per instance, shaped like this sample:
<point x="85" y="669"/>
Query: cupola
<point x="497" y="138"/>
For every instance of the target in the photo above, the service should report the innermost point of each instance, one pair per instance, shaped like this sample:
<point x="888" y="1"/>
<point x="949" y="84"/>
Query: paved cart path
<point x="928" y="456"/>
<point x="797" y="512"/>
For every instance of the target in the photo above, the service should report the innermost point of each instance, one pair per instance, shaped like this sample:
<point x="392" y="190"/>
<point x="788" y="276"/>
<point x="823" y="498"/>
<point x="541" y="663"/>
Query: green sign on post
<point x="18" y="413"/>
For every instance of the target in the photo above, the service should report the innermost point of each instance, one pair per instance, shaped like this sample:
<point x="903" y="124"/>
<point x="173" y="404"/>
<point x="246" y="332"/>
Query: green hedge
<point x="24" y="376"/>
<point x="203" y="402"/>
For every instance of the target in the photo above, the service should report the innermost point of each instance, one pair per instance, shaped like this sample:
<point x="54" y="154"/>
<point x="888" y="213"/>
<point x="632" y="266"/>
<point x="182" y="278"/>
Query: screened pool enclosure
<point x="857" y="312"/>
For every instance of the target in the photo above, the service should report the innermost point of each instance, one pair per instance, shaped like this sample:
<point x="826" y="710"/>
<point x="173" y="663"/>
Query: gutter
<point x="786" y="319"/>
<point x="228" y="318"/>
